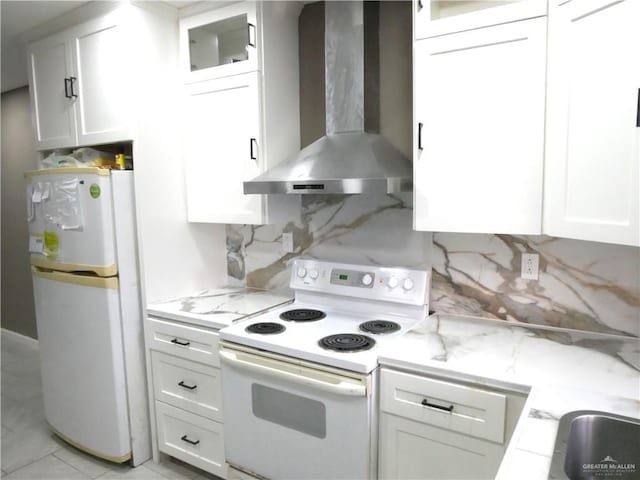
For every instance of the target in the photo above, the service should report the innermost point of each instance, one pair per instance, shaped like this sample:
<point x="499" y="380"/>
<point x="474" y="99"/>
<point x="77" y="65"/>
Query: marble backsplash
<point x="582" y="285"/>
<point x="361" y="229"/>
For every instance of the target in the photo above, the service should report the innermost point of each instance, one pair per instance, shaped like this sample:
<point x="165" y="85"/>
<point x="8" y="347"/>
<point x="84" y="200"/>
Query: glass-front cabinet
<point x="219" y="43"/>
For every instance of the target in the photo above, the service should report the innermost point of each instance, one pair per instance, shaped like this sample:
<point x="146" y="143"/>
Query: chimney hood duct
<point x="347" y="159"/>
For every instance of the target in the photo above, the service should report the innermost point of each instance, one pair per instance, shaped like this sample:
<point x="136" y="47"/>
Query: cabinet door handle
<point x="175" y="341"/>
<point x="67" y="84"/>
<point x="425" y="403"/>
<point x="251" y="35"/>
<point x="420" y="5"/>
<point x="72" y="81"/>
<point x="184" y="438"/>
<point x="188" y="387"/>
<point x="420" y="135"/>
<point x="638" y="110"/>
<point x="253" y="154"/>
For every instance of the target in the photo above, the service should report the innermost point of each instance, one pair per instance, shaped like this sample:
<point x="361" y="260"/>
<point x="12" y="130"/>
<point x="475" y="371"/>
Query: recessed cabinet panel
<point x="219" y="43"/>
<point x="593" y="138"/>
<point x="222" y="149"/>
<point x="101" y="85"/>
<point x="413" y="450"/>
<point x="50" y="69"/>
<point x="480" y="129"/>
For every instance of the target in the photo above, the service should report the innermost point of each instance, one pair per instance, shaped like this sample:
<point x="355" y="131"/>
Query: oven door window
<point x="288" y="410"/>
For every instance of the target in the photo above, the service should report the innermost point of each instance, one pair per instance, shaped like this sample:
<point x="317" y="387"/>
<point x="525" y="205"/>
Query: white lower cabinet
<point x="188" y="385"/>
<point x="187" y="393"/>
<point x="191" y="438"/>
<point x="438" y="429"/>
<point x="416" y="450"/>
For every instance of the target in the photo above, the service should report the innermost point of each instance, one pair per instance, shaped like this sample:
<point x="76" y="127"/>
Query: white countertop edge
<point x="450" y="374"/>
<point x="193" y="319"/>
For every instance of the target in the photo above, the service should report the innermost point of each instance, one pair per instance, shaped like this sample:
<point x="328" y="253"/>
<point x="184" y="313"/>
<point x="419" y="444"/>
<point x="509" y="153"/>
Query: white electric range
<point x="300" y="381"/>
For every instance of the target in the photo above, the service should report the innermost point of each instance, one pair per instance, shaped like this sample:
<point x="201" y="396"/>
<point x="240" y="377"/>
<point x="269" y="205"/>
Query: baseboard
<point x="28" y="341"/>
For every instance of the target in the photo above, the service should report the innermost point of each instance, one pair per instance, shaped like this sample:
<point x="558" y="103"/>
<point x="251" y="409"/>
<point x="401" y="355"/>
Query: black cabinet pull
<point x="425" y="403"/>
<point x="638" y="110"/>
<point x="253" y="154"/>
<point x="185" y="439"/>
<point x="251" y="39"/>
<point x="188" y="387"/>
<point x="67" y="84"/>
<point x="178" y="342"/>
<point x="420" y="6"/>
<point x="72" y="82"/>
<point x="420" y="135"/>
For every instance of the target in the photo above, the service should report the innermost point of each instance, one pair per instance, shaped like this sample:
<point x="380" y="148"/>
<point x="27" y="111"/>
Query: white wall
<point x="178" y="257"/>
<point x="18" y="156"/>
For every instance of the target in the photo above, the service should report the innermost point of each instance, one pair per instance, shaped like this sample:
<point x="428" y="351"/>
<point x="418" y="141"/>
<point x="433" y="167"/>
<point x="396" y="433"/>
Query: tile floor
<point x="30" y="451"/>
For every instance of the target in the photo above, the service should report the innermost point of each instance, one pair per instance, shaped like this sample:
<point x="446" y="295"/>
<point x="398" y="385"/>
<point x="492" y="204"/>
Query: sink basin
<point x="593" y="445"/>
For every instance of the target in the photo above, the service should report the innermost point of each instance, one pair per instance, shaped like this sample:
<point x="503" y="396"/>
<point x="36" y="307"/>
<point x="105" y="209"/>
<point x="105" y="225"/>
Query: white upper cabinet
<point x="593" y="129"/>
<point x="240" y="117"/>
<point x="219" y="43"/>
<point x="50" y="68"/>
<point x="102" y="103"/>
<point x="440" y="17"/>
<point x="479" y="113"/>
<point x="78" y="84"/>
<point x="221" y="150"/>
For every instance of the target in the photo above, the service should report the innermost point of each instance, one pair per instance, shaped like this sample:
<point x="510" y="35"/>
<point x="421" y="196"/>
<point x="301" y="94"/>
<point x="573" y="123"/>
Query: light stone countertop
<point x="219" y="307"/>
<point x="564" y="370"/>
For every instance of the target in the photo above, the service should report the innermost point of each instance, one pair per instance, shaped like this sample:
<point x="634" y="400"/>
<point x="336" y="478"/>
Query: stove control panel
<point x="402" y="285"/>
<point x="352" y="278"/>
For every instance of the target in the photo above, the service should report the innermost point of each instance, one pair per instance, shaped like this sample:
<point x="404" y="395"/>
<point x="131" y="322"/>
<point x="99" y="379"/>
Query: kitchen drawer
<point x="191" y="438"/>
<point x="473" y="411"/>
<point x="185" y="384"/>
<point x="185" y="341"/>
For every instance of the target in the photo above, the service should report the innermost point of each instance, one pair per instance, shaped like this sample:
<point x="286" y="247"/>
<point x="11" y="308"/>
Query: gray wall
<point x="18" y="155"/>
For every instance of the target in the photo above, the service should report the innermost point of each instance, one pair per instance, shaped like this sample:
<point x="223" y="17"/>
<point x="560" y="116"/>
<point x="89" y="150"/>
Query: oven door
<point x="286" y="418"/>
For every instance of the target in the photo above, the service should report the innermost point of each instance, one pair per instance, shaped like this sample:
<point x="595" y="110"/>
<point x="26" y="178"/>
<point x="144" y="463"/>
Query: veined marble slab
<point x="218" y="308"/>
<point x="582" y="285"/>
<point x="367" y="229"/>
<point x="565" y="371"/>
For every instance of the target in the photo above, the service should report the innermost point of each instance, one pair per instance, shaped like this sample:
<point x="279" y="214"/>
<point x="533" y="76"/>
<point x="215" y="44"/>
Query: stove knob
<point x="367" y="279"/>
<point x="393" y="282"/>
<point x="407" y="284"/>
<point x="313" y="273"/>
<point x="302" y="272"/>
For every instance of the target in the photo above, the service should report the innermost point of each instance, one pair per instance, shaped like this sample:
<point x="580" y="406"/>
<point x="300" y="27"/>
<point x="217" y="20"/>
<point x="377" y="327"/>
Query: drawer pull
<point x="425" y="403"/>
<point x="188" y="387"/>
<point x="184" y="438"/>
<point x="178" y="342"/>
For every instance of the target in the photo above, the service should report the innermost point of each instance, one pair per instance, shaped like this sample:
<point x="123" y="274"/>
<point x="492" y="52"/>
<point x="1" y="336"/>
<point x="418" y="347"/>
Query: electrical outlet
<point x="287" y="242"/>
<point x="529" y="268"/>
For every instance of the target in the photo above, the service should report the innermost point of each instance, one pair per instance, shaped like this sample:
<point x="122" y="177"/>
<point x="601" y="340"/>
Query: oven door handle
<point x="338" y="387"/>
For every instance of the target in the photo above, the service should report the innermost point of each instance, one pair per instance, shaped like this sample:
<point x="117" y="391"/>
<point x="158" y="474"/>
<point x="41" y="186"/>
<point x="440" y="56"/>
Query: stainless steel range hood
<point x="347" y="159"/>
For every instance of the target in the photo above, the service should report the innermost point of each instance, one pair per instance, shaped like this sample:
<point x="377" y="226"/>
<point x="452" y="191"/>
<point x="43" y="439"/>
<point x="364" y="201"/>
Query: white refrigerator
<point x="84" y="262"/>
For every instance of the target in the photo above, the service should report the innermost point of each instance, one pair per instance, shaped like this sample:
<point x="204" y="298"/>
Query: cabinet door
<point x="593" y="135"/>
<point x="410" y="449"/>
<point x="222" y="149"/>
<point x="101" y="73"/>
<point x="50" y="67"/>
<point x="220" y="42"/>
<point x="441" y="17"/>
<point x="480" y="129"/>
